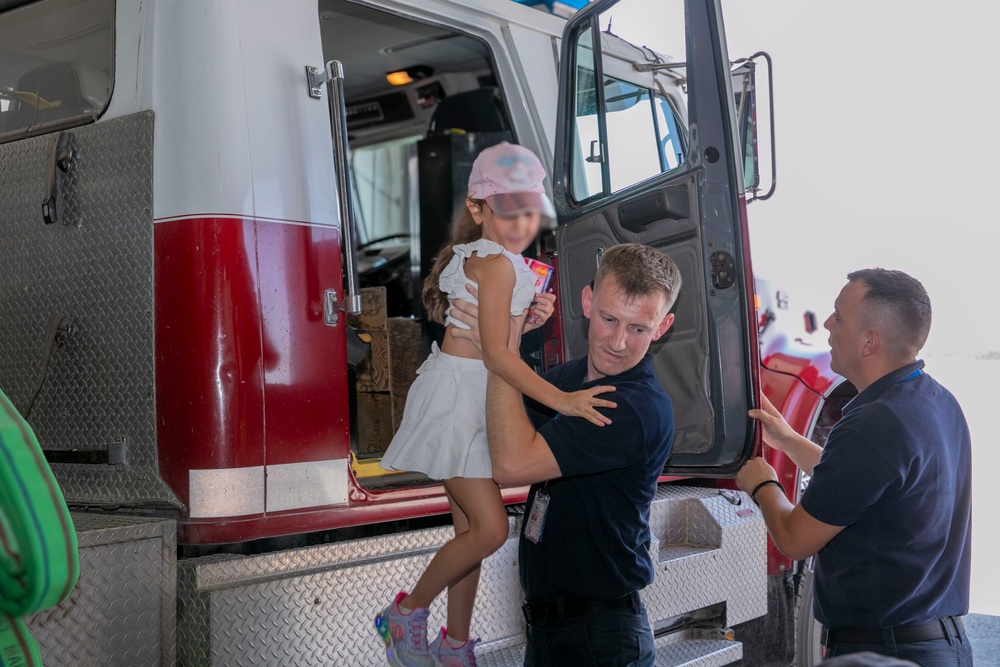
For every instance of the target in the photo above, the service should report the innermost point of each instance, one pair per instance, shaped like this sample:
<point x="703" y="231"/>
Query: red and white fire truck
<point x="215" y="218"/>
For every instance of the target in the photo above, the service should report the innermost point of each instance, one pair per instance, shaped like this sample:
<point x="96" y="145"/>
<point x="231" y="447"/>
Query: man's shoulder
<point x="642" y="381"/>
<point x="922" y="398"/>
<point x="647" y="402"/>
<point x="898" y="422"/>
<point x="565" y="371"/>
<point x="645" y="393"/>
<point x="867" y="426"/>
<point x="638" y="387"/>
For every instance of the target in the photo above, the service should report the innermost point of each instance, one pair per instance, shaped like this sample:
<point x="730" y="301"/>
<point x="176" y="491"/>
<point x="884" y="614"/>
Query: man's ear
<point x="585" y="299"/>
<point x="871" y="343"/>
<point x="667" y="322"/>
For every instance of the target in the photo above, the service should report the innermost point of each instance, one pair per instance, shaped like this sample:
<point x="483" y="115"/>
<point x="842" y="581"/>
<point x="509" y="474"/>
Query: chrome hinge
<point x="316" y="77"/>
<point x="332" y="306"/>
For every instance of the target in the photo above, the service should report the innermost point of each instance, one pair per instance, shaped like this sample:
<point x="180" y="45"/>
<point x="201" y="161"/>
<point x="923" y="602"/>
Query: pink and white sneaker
<point x="446" y="655"/>
<point x="404" y="635"/>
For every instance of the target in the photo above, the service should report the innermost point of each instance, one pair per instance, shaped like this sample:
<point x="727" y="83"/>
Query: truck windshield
<point x="383" y="197"/>
<point x="56" y="63"/>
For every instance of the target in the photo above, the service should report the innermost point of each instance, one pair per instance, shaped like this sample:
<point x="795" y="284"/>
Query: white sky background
<point x="888" y="153"/>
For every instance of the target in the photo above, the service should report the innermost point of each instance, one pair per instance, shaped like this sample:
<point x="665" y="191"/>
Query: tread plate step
<point x="670" y="652"/>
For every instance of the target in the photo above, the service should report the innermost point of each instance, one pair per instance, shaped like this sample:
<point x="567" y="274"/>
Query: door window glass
<point x="56" y="61"/>
<point x="587" y="173"/>
<point x="631" y="123"/>
<point x="632" y="127"/>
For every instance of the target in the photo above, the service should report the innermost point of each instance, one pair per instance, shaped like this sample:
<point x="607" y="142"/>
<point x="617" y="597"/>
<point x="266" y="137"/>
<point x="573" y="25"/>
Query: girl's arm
<point x="495" y="277"/>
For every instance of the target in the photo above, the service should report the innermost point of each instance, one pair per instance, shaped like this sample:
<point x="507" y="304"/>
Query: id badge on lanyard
<point x="535" y="522"/>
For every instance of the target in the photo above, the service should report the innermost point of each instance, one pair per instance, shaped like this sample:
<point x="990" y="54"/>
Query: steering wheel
<point x="382" y="239"/>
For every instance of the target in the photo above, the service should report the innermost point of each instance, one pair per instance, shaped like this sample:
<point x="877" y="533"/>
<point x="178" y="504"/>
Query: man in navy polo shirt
<point x="887" y="512"/>
<point x="584" y="545"/>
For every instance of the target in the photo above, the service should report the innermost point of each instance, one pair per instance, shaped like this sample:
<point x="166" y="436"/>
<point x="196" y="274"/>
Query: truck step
<point x="315" y="605"/>
<point x="671" y="651"/>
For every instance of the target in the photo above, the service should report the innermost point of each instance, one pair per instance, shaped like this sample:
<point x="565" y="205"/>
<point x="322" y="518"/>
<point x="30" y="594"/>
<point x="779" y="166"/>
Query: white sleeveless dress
<point x="443" y="430"/>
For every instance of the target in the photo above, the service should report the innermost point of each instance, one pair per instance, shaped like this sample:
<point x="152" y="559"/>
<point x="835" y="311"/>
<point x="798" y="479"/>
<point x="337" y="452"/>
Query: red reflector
<point x="809" y="320"/>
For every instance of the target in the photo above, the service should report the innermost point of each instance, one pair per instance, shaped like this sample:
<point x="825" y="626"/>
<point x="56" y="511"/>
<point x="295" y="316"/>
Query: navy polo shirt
<point x="595" y="540"/>
<point x="897" y="472"/>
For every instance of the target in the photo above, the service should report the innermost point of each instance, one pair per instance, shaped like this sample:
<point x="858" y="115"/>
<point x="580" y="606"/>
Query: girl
<point x="443" y="431"/>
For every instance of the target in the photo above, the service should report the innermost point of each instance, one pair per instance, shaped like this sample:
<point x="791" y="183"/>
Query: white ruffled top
<point x="453" y="279"/>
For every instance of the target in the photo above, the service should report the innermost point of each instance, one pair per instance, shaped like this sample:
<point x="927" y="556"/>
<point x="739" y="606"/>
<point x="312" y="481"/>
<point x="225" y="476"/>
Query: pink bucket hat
<point x="509" y="177"/>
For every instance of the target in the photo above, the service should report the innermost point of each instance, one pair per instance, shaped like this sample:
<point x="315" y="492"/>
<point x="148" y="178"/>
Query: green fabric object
<point x="39" y="562"/>
<point x="17" y="647"/>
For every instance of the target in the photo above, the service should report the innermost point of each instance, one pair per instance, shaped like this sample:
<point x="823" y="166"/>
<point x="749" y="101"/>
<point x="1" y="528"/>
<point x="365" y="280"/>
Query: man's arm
<point x="778" y="434"/>
<point x="796" y="534"/>
<point x="519" y="453"/>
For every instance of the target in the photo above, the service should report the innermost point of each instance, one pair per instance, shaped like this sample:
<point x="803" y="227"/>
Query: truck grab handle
<point x="333" y="77"/>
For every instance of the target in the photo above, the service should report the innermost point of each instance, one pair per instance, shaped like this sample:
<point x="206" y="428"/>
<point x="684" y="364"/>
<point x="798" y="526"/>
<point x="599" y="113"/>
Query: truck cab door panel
<point x="681" y="356"/>
<point x="666" y="172"/>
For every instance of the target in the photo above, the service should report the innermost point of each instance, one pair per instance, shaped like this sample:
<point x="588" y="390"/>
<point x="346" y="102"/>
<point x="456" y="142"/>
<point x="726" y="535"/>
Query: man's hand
<point x="777" y="432"/>
<point x="753" y="473"/>
<point x="796" y="534"/>
<point x="467" y="313"/>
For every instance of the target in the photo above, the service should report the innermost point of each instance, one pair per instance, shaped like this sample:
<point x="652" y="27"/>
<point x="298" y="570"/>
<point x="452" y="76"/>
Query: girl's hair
<point x="463" y="230"/>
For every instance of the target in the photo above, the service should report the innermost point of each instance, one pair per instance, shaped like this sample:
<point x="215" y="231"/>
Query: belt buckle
<point x="537" y="616"/>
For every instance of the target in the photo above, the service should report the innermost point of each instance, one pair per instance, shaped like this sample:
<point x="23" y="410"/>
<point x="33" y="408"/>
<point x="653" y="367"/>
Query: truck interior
<point x="421" y="102"/>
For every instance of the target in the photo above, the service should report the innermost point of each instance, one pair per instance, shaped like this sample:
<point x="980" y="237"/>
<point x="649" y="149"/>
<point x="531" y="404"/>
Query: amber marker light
<point x="409" y="75"/>
<point x="400" y="78"/>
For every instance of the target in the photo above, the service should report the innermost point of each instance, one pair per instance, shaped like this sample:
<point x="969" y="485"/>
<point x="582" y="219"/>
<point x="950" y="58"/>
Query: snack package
<point x="543" y="274"/>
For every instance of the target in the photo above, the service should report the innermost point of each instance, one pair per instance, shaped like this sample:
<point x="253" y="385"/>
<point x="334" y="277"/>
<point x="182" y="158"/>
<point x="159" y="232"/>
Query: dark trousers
<point x="620" y="638"/>
<point x="954" y="651"/>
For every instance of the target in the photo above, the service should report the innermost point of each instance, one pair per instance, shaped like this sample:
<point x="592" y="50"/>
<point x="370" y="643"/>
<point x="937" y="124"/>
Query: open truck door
<point x="647" y="150"/>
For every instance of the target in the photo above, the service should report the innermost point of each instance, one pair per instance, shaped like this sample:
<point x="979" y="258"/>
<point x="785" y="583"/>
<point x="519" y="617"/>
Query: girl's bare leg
<point x="480" y="529"/>
<point x="462" y="593"/>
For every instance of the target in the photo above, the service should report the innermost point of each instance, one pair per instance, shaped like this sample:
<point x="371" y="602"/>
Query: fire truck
<point x="215" y="219"/>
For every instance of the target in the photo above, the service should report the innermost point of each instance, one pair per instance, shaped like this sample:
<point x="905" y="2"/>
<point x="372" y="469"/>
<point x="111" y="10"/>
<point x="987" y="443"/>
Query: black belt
<point x="943" y="628"/>
<point x="540" y="613"/>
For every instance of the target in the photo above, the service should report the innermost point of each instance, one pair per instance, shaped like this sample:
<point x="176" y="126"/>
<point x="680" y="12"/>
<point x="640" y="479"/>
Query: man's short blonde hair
<point x="640" y="271"/>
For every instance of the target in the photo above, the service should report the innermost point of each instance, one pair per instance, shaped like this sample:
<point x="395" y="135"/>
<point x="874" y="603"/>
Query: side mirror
<point x="745" y="93"/>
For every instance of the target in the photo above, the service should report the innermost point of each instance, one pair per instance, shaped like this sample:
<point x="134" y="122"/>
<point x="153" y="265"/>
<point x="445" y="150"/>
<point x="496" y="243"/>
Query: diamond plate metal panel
<point x="683" y="652"/>
<point x="95" y="265"/>
<point x="315" y="606"/>
<point x="122" y="611"/>
<point x="670" y="652"/>
<point x="691" y="576"/>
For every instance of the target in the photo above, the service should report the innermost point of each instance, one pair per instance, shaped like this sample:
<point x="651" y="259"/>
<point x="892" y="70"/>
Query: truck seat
<point x="479" y="110"/>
